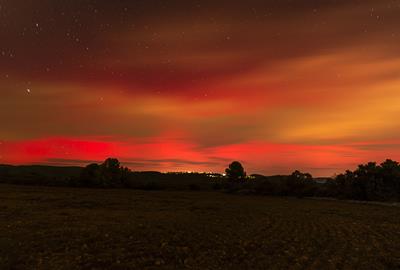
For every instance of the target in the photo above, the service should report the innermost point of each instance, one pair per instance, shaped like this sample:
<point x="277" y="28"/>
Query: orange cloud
<point x="313" y="87"/>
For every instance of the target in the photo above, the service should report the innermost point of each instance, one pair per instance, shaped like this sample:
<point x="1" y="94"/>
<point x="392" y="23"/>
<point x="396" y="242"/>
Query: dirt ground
<point x="67" y="228"/>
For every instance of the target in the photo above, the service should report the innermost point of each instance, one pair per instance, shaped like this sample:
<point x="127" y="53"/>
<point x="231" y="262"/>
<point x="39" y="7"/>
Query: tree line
<point x="371" y="181"/>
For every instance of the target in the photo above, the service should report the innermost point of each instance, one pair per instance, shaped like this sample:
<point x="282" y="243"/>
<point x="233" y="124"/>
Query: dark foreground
<point x="62" y="228"/>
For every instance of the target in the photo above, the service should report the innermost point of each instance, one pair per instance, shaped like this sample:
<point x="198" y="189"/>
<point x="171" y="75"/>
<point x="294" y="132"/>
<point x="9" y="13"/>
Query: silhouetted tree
<point x="109" y="174"/>
<point x="300" y="184"/>
<point x="390" y="174"/>
<point x="342" y="185"/>
<point x="235" y="171"/>
<point x="91" y="175"/>
<point x="369" y="182"/>
<point x="112" y="165"/>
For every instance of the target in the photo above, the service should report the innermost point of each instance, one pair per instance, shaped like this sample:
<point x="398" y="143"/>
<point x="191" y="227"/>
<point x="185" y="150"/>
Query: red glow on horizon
<point x="258" y="157"/>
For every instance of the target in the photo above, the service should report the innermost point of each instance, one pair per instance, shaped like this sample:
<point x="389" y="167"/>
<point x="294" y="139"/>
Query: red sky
<point x="193" y="85"/>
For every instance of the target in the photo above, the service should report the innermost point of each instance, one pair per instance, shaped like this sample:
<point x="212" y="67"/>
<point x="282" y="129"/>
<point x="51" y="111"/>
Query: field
<point x="66" y="228"/>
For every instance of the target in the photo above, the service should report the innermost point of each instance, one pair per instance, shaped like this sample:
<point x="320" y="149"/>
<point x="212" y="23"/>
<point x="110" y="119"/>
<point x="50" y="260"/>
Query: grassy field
<point x="63" y="228"/>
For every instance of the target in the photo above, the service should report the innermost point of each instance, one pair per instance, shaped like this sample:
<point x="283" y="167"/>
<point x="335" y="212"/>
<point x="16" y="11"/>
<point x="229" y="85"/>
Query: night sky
<point x="193" y="85"/>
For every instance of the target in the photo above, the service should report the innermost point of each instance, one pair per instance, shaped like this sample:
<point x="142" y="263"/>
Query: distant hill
<point x="38" y="174"/>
